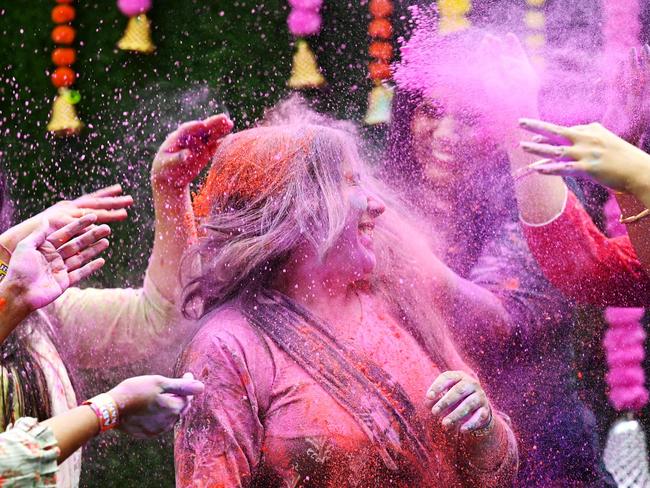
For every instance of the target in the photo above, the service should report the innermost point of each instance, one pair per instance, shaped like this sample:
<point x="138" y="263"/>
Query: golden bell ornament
<point x="64" y="120"/>
<point x="379" y="105"/>
<point x="137" y="36"/>
<point x="305" y="72"/>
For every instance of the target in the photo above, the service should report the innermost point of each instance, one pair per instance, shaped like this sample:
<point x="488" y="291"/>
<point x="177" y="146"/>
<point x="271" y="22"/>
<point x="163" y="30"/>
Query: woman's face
<point x="352" y="256"/>
<point x="449" y="146"/>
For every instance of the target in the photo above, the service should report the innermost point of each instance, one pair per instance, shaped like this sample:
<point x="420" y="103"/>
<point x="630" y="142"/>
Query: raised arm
<point x="122" y="325"/>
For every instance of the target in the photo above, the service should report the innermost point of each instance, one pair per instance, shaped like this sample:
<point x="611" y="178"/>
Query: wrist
<point x="106" y="410"/>
<point x="13" y="295"/>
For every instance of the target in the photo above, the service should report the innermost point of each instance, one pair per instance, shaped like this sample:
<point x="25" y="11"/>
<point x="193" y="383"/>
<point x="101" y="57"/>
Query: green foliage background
<point x="212" y="55"/>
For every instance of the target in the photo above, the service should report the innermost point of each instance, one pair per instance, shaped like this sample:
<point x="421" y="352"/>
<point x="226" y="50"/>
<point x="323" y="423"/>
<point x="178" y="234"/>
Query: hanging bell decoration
<point x="64" y="120"/>
<point x="453" y="15"/>
<point x="137" y="36"/>
<point x="379" y="105"/>
<point x="305" y="72"/>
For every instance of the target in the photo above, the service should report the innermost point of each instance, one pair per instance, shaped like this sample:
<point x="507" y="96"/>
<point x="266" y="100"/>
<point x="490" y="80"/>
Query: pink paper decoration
<point x="131" y="8"/>
<point x="304" y="19"/>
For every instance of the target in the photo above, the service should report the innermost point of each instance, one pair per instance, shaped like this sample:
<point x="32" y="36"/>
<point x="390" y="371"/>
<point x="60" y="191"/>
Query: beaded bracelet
<point x="106" y="410"/>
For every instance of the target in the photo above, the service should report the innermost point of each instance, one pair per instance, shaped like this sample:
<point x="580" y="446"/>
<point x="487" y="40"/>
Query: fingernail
<point x="431" y="395"/>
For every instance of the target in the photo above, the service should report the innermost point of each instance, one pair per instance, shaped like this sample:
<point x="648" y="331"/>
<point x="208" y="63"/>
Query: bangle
<point x="634" y="218"/>
<point x="486" y="429"/>
<point x="106" y="410"/>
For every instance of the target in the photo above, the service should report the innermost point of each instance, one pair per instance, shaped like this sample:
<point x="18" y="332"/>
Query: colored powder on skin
<point x="3" y="303"/>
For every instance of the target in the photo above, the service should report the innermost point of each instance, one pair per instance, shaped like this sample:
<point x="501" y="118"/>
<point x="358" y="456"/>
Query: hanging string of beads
<point x="64" y="120"/>
<point x="453" y="15"/>
<point x="304" y="20"/>
<point x="137" y="36"/>
<point x="381" y="50"/>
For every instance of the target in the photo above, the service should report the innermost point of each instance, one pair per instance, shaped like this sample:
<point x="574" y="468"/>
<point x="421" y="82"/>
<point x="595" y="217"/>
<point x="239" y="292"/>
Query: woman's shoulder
<point x="227" y="328"/>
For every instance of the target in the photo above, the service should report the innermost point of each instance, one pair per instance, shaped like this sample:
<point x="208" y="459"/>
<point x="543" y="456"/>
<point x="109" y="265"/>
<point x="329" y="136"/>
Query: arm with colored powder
<point x="219" y="441"/>
<point x="122" y="325"/>
<point x="46" y="263"/>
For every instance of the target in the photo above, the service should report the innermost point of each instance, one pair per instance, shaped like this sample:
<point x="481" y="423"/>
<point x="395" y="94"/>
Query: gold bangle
<point x="634" y="218"/>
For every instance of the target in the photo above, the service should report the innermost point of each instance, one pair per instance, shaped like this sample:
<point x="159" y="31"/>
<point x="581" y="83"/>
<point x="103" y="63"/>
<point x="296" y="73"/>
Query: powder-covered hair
<point x="276" y="186"/>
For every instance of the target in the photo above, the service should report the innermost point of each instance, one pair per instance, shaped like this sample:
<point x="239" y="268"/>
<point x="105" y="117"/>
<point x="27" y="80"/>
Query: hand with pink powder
<point x="458" y="400"/>
<point x="107" y="204"/>
<point x="510" y="82"/>
<point x="151" y="405"/>
<point x="590" y="151"/>
<point x="628" y="113"/>
<point x="187" y="150"/>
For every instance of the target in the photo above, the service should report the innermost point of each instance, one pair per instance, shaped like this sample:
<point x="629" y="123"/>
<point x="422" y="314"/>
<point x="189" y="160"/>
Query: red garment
<point x="586" y="265"/>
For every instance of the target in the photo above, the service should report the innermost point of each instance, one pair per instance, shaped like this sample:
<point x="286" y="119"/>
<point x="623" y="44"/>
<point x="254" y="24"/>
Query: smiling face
<point x="448" y="144"/>
<point x="353" y="256"/>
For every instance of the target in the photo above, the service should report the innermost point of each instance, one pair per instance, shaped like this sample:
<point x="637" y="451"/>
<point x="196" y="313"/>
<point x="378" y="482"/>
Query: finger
<point x="464" y="410"/>
<point x="455" y="395"/>
<point x="513" y="46"/>
<point x="74" y="228"/>
<point x="86" y="255"/>
<point x="182" y="387"/>
<point x="109" y="191"/>
<point x="79" y="274"/>
<point x="83" y="241"/>
<point x="442" y="383"/>
<point x="108" y="216"/>
<point x="219" y="125"/>
<point x="540" y="139"/>
<point x="548" y="129"/>
<point x="569" y="168"/>
<point x="105" y="203"/>
<point x="37" y="237"/>
<point x="479" y="420"/>
<point x="546" y="150"/>
<point x="189" y="136"/>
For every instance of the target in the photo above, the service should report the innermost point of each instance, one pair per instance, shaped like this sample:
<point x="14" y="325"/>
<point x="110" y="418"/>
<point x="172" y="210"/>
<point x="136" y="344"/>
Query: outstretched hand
<point x="151" y="405"/>
<point x="510" y="81"/>
<point x="589" y="151"/>
<point x="187" y="150"/>
<point x="107" y="204"/>
<point x="47" y="262"/>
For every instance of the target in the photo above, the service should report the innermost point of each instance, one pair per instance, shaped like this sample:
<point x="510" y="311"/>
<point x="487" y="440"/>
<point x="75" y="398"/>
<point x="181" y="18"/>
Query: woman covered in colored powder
<point x="323" y="325"/>
<point x="101" y="328"/>
<point x="447" y="154"/>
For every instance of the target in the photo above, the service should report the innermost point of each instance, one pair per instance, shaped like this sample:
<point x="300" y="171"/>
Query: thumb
<point x="182" y="386"/>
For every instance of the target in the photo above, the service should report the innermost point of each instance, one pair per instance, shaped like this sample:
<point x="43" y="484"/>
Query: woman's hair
<point x="23" y="388"/>
<point x="276" y="186"/>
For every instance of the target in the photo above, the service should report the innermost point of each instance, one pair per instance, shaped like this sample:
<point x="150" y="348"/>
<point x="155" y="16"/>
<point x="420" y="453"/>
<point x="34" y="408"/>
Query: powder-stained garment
<point x="102" y="328"/>
<point x="264" y="421"/>
<point x="28" y="454"/>
<point x="586" y="265"/>
<point x="529" y="371"/>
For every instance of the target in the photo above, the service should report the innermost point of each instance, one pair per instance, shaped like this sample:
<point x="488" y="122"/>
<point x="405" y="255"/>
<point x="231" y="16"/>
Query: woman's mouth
<point x="366" y="228"/>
